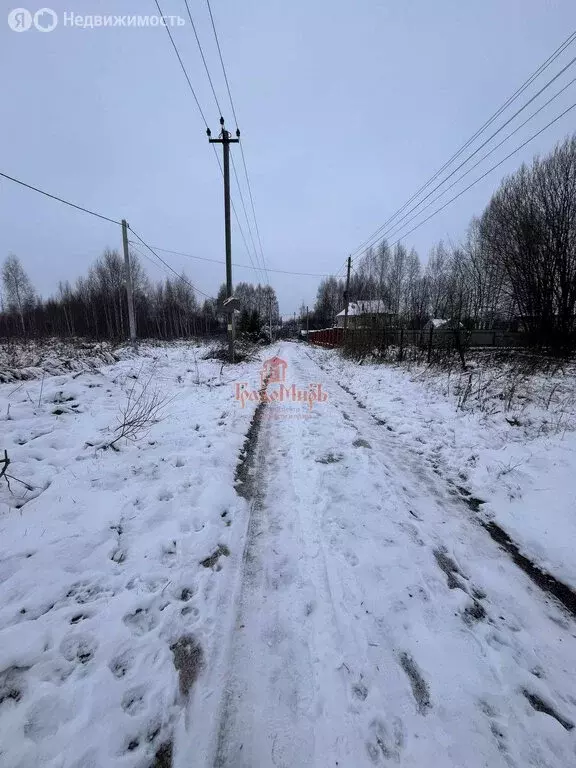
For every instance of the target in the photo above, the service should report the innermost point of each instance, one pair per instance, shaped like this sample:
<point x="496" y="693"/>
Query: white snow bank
<point x="101" y="562"/>
<point x="520" y="460"/>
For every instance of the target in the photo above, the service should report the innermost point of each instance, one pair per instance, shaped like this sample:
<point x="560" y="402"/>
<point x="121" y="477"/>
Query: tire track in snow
<point x="548" y="583"/>
<point x="349" y="645"/>
<point x="261" y="698"/>
<point x="290" y="694"/>
<point x="493" y="632"/>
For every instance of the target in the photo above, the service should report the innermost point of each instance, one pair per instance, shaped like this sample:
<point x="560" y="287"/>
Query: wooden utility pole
<point x="307" y="322"/>
<point x="270" y="318"/>
<point x="346" y="292"/>
<point x="225" y="140"/>
<point x="128" y="281"/>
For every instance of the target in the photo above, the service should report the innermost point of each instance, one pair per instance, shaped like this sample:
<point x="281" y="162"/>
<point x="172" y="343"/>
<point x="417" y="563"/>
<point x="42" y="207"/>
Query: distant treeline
<point x="516" y="268"/>
<point x="96" y="306"/>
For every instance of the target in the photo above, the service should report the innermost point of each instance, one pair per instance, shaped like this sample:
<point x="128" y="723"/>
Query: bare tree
<point x="18" y="290"/>
<point x="529" y="229"/>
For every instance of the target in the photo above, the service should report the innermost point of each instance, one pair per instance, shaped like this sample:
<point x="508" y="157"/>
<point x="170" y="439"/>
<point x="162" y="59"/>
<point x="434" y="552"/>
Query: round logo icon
<point x="20" y="20"/>
<point x="45" y="20"/>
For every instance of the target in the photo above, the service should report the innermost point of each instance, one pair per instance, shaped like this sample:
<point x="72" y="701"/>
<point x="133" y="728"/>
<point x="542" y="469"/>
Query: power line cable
<point x="203" y="59"/>
<point x="241" y="266"/>
<point x="252" y="204"/>
<point x="100" y="216"/>
<point x="398" y="226"/>
<point x="382" y="233"/>
<point x="59" y="199"/>
<point x="141" y="253"/>
<point x="569" y="40"/>
<point x="148" y="258"/>
<point x="180" y="277"/>
<point x="118" y="223"/>
<point x="236" y="214"/>
<point x="222" y="62"/>
<point x="246" y="214"/>
<point x="177" y="52"/>
<point x="249" y="185"/>
<point x="452" y="199"/>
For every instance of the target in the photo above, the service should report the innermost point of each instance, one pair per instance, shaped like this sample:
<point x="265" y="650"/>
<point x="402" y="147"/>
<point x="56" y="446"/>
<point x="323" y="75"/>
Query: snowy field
<point x="334" y="600"/>
<point x="508" y="439"/>
<point x="110" y="557"/>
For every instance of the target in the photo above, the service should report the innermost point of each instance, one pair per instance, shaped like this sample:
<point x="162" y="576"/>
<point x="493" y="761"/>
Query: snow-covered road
<point x="377" y="622"/>
<point x="330" y="601"/>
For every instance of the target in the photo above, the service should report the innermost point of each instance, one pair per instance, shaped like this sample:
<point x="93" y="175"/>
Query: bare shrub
<point x="142" y="409"/>
<point x="19" y="500"/>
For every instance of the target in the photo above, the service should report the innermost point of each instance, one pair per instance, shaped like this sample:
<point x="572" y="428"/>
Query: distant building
<point x="367" y="314"/>
<point x="440" y="324"/>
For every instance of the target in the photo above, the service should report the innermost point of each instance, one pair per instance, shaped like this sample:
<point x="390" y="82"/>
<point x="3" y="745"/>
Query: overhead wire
<point x="248" y="183"/>
<point x="397" y="226"/>
<point x="59" y="199"/>
<point x="188" y="80"/>
<point x="240" y="266"/>
<point x="177" y="52"/>
<point x="203" y="59"/>
<point x="483" y="176"/>
<point x="105" y="218"/>
<point x="569" y="40"/>
<point x="383" y="230"/>
<point x="246" y="214"/>
<point x="180" y="277"/>
<point x="222" y="62"/>
<point x="118" y="223"/>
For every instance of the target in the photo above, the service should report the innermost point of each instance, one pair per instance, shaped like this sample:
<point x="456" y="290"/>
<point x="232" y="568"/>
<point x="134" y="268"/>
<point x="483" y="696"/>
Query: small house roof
<point x="370" y="307"/>
<point x="440" y="322"/>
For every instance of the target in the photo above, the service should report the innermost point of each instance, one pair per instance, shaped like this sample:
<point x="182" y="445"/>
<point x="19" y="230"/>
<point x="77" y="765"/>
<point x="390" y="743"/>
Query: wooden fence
<point x="384" y="337"/>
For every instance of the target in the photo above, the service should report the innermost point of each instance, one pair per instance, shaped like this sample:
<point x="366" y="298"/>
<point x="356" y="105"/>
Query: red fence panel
<point x="327" y="337"/>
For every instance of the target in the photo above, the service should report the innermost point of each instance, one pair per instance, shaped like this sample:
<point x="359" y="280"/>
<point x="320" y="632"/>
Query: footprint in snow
<point x="45" y="717"/>
<point x="121" y="664"/>
<point x="473" y="613"/>
<point x="83" y="592"/>
<point x="141" y="621"/>
<point x="149" y="585"/>
<point x="133" y="700"/>
<point x="360" y="691"/>
<point x="118" y="555"/>
<point x="12" y="683"/>
<point x="352" y="558"/>
<point x="79" y="647"/>
<point x="386" y="741"/>
<point x="497" y="727"/>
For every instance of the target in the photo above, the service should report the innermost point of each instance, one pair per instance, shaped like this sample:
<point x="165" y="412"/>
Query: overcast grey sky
<point x="346" y="108"/>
